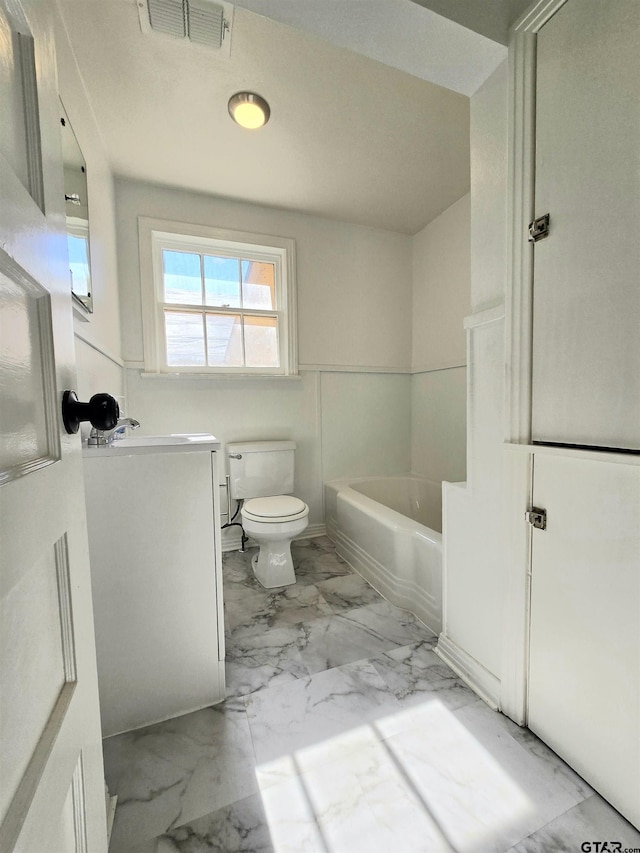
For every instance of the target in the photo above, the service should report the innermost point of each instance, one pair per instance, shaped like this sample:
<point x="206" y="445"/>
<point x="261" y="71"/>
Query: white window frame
<point x="156" y="234"/>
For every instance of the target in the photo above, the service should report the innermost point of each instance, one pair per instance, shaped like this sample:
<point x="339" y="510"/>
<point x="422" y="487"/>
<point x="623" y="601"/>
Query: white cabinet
<point x="584" y="643"/>
<point x="584" y="677"/>
<point x="154" y="534"/>
<point x="586" y="305"/>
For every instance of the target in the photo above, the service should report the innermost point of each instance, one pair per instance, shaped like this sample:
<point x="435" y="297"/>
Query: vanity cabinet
<point x="154" y="540"/>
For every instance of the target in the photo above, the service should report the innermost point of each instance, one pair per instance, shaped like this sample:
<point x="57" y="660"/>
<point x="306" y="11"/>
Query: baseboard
<point x="234" y="541"/>
<point x="399" y="591"/>
<point x="313" y="531"/>
<point x="476" y="676"/>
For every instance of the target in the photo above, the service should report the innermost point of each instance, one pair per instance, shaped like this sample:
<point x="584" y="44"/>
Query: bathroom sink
<point x="160" y="440"/>
<point x="134" y="444"/>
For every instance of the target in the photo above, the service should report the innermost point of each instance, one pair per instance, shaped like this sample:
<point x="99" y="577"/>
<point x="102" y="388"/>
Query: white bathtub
<point x="388" y="529"/>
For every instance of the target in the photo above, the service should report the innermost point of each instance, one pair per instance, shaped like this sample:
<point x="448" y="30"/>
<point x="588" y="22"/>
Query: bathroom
<point x="401" y="316"/>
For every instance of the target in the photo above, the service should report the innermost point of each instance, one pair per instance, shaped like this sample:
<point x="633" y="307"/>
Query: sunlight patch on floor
<point x="414" y="780"/>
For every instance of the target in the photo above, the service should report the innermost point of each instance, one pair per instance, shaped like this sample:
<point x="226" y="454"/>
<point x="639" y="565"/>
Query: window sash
<point x="156" y="234"/>
<point x="241" y="252"/>
<point x="173" y="308"/>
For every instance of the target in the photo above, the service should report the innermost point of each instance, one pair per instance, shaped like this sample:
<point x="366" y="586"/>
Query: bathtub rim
<point x="392" y="516"/>
<point x="398" y="587"/>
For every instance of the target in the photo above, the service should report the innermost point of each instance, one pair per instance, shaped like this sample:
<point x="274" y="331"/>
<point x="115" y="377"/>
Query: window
<point x="218" y="301"/>
<point x="79" y="267"/>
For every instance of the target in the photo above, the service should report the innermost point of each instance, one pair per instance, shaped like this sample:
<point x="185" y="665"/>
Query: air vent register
<point x="200" y="21"/>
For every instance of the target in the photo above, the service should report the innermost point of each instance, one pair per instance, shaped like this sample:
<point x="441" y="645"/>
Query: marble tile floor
<point x="343" y="732"/>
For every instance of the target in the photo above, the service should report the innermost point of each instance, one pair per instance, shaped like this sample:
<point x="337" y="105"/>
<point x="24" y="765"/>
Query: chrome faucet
<point x="102" y="438"/>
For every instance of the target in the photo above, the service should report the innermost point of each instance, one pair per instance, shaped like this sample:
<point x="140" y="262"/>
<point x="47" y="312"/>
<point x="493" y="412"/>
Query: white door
<point x="584" y="677"/>
<point x="52" y="790"/>
<point x="586" y="307"/>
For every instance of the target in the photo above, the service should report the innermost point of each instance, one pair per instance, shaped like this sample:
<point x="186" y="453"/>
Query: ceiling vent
<point x="201" y="21"/>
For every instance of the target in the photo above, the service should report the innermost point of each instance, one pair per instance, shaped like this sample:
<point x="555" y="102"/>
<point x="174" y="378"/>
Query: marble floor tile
<point x="314" y="710"/>
<point x="591" y="820"/>
<point x="238" y="579"/>
<point x="244" y="607"/>
<point x="386" y="622"/>
<point x="347" y="592"/>
<point x="293" y="604"/>
<point x="327" y="643"/>
<point x="172" y="772"/>
<point x="415" y="675"/>
<point x="238" y="828"/>
<point x="287" y="605"/>
<point x="316" y="545"/>
<point x="237" y="571"/>
<point x="315" y="562"/>
<point x="292" y="821"/>
<point x="485" y="791"/>
<point x="357" y="634"/>
<point x="239" y="582"/>
<point x="358" y="802"/>
<point x="548" y="761"/>
<point x="346" y="734"/>
<point x="255" y="661"/>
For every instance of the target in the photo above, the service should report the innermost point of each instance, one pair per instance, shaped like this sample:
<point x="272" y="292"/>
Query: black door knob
<point x="102" y="411"/>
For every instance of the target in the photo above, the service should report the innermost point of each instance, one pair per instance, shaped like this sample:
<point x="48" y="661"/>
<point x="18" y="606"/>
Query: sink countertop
<point x="134" y="445"/>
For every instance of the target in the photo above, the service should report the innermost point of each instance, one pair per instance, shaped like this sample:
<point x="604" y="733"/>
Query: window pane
<point x="261" y="341"/>
<point x="185" y="339"/>
<point x="182" y="281"/>
<point x="258" y="285"/>
<point x="221" y="281"/>
<point x="79" y="264"/>
<point x="224" y="340"/>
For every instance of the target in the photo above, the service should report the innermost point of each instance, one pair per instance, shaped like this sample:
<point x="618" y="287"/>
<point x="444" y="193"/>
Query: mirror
<point x="77" y="213"/>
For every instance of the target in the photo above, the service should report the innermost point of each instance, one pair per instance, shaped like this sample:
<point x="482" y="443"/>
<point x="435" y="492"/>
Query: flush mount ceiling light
<point x="249" y="110"/>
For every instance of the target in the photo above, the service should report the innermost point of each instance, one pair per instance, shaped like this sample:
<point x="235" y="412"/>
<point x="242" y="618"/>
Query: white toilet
<point x="261" y="474"/>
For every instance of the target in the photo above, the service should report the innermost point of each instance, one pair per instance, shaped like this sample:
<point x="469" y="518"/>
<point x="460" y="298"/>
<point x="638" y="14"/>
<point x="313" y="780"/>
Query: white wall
<point x="441" y="289"/>
<point x="441" y="301"/>
<point x="354" y="283"/>
<point x="474" y="552"/>
<point x="350" y="409"/>
<point x="439" y="424"/>
<point x="489" y="191"/>
<point x="98" y="347"/>
<point x="365" y="425"/>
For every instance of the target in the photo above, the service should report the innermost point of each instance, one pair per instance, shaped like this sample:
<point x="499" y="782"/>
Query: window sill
<point x="225" y="377"/>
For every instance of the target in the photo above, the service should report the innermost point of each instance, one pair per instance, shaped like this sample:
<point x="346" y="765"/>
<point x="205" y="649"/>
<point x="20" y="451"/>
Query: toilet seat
<point x="277" y="508"/>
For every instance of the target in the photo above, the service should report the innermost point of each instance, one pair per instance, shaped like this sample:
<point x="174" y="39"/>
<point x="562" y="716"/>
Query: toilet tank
<point x="259" y="469"/>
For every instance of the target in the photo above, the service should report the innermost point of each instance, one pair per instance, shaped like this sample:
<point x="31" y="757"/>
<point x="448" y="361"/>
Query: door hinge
<point x="539" y="228"/>
<point x="537" y="517"/>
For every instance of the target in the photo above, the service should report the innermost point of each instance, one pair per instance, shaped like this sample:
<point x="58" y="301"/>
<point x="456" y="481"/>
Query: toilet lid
<point x="277" y="506"/>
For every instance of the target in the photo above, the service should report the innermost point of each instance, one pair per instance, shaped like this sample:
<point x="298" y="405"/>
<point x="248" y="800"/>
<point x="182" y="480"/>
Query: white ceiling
<point x="349" y="137"/>
<point x="491" y="18"/>
<point x="400" y="33"/>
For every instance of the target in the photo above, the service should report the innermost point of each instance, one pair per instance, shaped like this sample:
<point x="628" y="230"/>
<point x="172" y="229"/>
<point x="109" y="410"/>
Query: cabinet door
<point x="584" y="679"/>
<point x="586" y="314"/>
<point x="153" y="547"/>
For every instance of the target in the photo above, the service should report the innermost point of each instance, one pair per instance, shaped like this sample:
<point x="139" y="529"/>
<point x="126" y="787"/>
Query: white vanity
<point x="154" y="541"/>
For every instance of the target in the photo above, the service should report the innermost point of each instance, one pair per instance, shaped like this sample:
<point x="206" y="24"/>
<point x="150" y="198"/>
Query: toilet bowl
<point x="273" y="522"/>
<point x="261" y="476"/>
